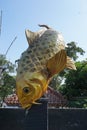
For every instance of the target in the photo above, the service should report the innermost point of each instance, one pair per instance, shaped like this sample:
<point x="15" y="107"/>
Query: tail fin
<point x="70" y="64"/>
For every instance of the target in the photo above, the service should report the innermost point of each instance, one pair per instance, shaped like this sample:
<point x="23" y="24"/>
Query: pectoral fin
<point x="57" y="63"/>
<point x="36" y="103"/>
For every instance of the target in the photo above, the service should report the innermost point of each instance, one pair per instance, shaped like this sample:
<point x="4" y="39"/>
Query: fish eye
<point x="26" y="90"/>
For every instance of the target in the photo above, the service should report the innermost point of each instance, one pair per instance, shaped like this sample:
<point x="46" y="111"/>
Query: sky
<point x="66" y="16"/>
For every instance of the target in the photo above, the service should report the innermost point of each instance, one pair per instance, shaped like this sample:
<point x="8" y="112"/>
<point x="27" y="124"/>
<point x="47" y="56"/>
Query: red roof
<point x="12" y="100"/>
<point x="55" y="99"/>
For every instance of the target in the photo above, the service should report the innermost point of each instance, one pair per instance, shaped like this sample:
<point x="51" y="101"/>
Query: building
<point x="55" y="99"/>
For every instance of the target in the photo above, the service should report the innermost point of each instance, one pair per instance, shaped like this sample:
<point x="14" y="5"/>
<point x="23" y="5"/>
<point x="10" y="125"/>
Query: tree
<point x="8" y="86"/>
<point x="7" y="82"/>
<point x="55" y="82"/>
<point x="76" y="81"/>
<point x="4" y="61"/>
<point x="73" y="50"/>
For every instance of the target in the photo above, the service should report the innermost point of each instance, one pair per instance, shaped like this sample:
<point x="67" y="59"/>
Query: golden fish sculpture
<point x="45" y="57"/>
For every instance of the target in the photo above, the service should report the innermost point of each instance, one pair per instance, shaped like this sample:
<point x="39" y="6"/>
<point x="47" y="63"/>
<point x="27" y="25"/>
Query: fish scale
<point x="40" y="51"/>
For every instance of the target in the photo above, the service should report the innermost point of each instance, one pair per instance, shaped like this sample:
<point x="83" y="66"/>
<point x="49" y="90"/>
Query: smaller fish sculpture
<point x="45" y="57"/>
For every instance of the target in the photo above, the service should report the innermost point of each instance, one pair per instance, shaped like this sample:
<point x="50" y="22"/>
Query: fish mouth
<point x="28" y="106"/>
<point x="25" y="104"/>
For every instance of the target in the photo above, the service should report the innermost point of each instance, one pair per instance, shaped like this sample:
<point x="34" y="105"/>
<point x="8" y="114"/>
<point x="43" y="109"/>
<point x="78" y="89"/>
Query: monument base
<point x="18" y="119"/>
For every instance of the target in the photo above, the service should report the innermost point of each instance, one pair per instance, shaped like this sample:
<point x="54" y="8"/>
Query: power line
<point x="10" y="45"/>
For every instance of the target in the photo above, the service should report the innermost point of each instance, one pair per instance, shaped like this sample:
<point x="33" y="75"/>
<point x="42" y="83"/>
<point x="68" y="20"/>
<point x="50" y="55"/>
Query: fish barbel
<point x="45" y="57"/>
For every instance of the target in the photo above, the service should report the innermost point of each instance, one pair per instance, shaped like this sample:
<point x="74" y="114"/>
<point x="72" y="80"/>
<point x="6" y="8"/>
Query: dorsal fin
<point x="32" y="36"/>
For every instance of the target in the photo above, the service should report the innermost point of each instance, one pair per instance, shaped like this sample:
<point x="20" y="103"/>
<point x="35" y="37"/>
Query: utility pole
<point x="0" y="21"/>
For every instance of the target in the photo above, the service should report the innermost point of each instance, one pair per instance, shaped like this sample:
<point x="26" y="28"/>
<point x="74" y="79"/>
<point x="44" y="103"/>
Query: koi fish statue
<point x="45" y="57"/>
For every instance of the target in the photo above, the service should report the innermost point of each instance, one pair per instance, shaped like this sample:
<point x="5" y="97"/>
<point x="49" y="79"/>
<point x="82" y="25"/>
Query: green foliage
<point x="78" y="103"/>
<point x="76" y="81"/>
<point x="4" y="61"/>
<point x="55" y="82"/>
<point x="8" y="86"/>
<point x="7" y="82"/>
<point x="73" y="50"/>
